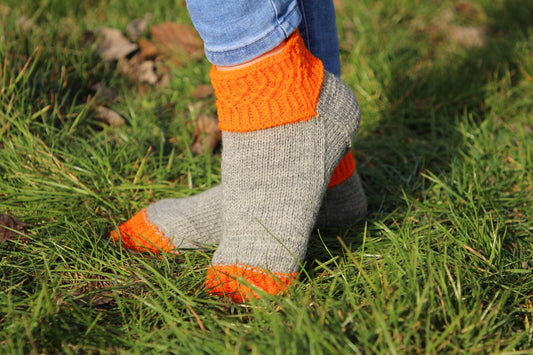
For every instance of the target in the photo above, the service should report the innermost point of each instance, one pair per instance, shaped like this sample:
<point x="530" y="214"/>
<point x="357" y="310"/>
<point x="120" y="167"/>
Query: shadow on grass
<point x="419" y="130"/>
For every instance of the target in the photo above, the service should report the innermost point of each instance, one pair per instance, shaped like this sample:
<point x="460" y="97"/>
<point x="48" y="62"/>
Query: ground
<point x="442" y="264"/>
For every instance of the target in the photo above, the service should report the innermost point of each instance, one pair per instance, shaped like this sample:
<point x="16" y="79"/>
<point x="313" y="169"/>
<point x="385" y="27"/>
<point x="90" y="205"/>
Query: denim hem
<point x="280" y="30"/>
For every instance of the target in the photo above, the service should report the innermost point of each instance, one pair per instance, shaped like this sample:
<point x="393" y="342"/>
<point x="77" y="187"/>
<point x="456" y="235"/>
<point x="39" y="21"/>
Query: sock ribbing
<point x="281" y="89"/>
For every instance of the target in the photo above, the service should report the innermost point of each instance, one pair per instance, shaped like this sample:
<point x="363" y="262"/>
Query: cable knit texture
<point x="278" y="90"/>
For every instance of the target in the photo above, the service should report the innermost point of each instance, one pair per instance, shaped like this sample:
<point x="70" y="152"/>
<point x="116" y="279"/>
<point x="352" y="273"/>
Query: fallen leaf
<point x="202" y="91"/>
<point x="94" y="300"/>
<point x="109" y="116"/>
<point x="112" y="44"/>
<point x="464" y="7"/>
<point x="182" y="42"/>
<point x="138" y="27"/>
<point x="103" y="92"/>
<point x="148" y="49"/>
<point x="467" y="36"/>
<point x="164" y="80"/>
<point x="10" y="228"/>
<point x="207" y="135"/>
<point x="138" y="70"/>
<point x="145" y="73"/>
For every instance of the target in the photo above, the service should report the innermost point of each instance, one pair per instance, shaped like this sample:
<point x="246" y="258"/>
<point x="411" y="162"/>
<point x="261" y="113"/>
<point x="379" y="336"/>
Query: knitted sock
<point x="172" y="224"/>
<point x="196" y="222"/>
<point x="286" y="125"/>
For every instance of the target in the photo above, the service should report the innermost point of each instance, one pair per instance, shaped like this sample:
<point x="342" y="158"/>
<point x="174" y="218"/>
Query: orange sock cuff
<point x="223" y="280"/>
<point x="280" y="89"/>
<point x="139" y="234"/>
<point x="343" y="171"/>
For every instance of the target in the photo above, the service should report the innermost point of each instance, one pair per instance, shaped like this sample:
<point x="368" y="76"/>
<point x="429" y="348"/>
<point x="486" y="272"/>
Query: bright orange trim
<point x="223" y="280"/>
<point x="343" y="171"/>
<point x="280" y="89"/>
<point x="141" y="235"/>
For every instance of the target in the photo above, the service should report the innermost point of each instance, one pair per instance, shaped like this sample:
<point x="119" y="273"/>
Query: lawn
<point x="443" y="263"/>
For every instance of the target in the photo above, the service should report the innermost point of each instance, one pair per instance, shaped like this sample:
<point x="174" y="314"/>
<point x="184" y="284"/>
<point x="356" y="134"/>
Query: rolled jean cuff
<point x="244" y="33"/>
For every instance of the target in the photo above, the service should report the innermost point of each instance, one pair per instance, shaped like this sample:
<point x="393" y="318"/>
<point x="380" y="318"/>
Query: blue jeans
<point x="236" y="31"/>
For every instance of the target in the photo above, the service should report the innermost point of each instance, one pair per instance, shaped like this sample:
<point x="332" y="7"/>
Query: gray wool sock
<point x="273" y="183"/>
<point x="191" y="222"/>
<point x="196" y="222"/>
<point x="343" y="204"/>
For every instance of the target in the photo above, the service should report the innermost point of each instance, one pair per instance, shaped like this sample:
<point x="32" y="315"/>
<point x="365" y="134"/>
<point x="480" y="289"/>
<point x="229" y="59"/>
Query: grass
<point x="442" y="264"/>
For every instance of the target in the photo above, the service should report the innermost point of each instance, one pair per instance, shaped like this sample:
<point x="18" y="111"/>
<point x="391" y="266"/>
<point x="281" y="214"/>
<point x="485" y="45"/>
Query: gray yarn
<point x="196" y="222"/>
<point x="191" y="222"/>
<point x="273" y="182"/>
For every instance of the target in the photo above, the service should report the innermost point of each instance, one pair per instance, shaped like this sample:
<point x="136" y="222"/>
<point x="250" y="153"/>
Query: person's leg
<point x="196" y="221"/>
<point x="286" y="125"/>
<point x="318" y="28"/>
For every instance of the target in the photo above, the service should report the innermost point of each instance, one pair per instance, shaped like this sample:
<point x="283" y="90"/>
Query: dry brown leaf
<point x="182" y="42"/>
<point x="139" y="70"/>
<point x="94" y="300"/>
<point x="148" y="49"/>
<point x="465" y="8"/>
<point x="145" y="73"/>
<point x="164" y="80"/>
<point x="109" y="116"/>
<point x="10" y="228"/>
<point x="112" y="44"/>
<point x="202" y="91"/>
<point x="467" y="36"/>
<point x="207" y="135"/>
<point x="138" y="27"/>
<point x="127" y="66"/>
<point x="103" y="92"/>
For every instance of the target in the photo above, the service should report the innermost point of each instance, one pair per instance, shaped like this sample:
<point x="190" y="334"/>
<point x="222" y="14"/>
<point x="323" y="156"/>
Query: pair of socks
<point x="287" y="166"/>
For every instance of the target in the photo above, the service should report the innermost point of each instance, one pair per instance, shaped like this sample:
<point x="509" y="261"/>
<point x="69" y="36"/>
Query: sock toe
<point x="140" y="235"/>
<point x="232" y="281"/>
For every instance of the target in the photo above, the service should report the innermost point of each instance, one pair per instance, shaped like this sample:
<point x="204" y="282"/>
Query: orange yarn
<point x="139" y="234"/>
<point x="343" y="171"/>
<point x="280" y="89"/>
<point x="223" y="280"/>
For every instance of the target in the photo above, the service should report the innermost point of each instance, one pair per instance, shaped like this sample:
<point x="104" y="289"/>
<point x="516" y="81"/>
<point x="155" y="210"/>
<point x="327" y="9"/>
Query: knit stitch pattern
<point x="281" y="89"/>
<point x="234" y="281"/>
<point x="273" y="182"/>
<point x="140" y="235"/>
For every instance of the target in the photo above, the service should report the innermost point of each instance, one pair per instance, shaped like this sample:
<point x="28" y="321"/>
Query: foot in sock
<point x="172" y="224"/>
<point x="286" y="125"/>
<point x="196" y="222"/>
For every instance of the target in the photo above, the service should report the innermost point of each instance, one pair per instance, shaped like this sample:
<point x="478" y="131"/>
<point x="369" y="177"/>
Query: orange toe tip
<point x="237" y="281"/>
<point x="140" y="235"/>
